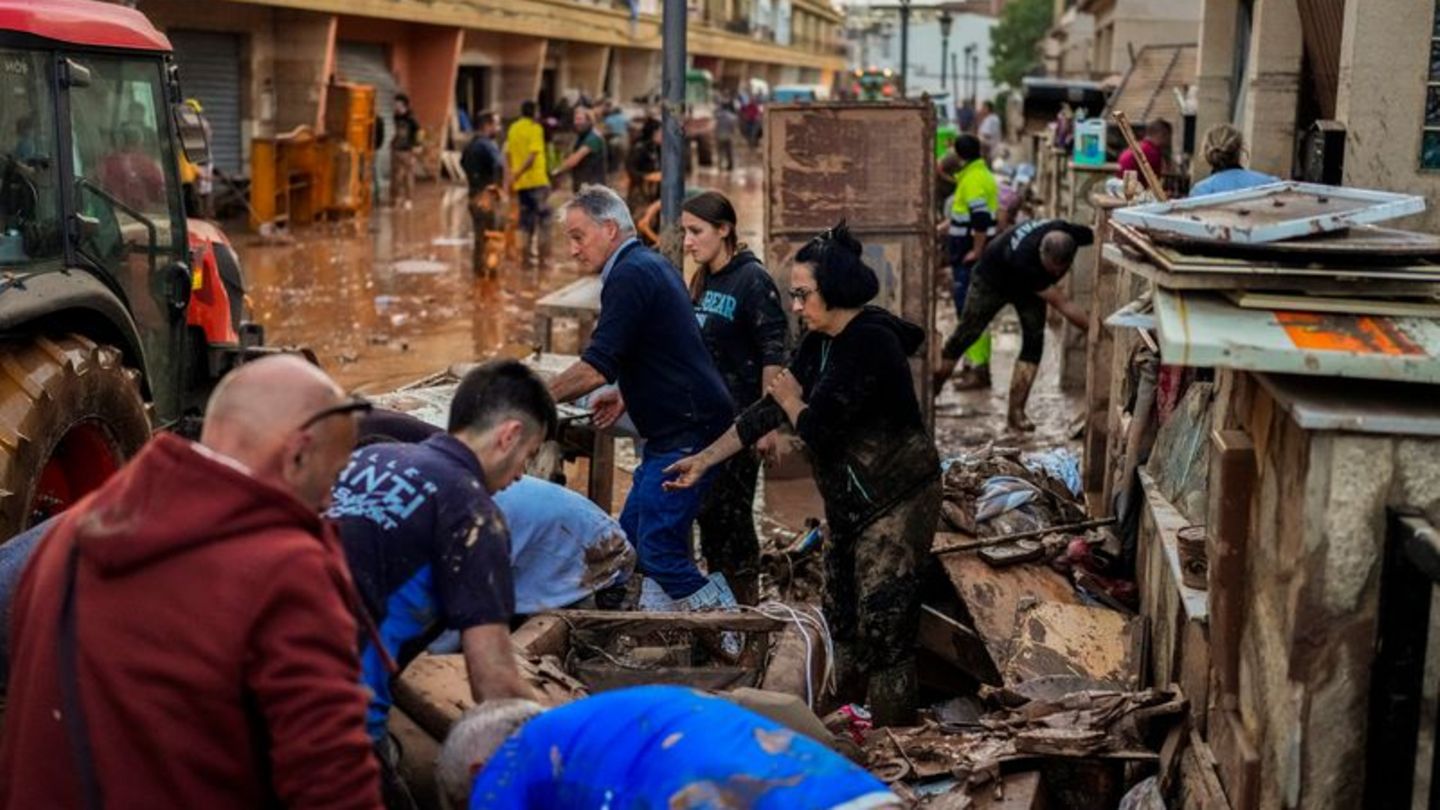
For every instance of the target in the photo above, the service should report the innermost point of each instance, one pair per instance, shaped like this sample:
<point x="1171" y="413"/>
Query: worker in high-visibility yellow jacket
<point x="972" y="222"/>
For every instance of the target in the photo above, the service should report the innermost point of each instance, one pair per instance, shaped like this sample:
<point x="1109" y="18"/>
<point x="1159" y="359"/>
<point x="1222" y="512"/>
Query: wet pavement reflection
<point x="388" y="301"/>
<point x="385" y="302"/>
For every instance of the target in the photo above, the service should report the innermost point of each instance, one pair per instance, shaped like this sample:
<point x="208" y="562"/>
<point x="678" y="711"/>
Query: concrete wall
<point x="304" y="60"/>
<point x="1136" y="23"/>
<point x="1383" y="60"/>
<point x="1214" y="72"/>
<point x="636" y="72"/>
<point x="1272" y="86"/>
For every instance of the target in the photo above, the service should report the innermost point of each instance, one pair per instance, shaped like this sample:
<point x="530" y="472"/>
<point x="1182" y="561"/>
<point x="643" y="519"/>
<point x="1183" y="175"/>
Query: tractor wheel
<point x="71" y="414"/>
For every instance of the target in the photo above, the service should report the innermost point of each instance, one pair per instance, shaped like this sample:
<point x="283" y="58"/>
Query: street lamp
<point x="945" y="22"/>
<point x="975" y="78"/>
<point x="969" y="54"/>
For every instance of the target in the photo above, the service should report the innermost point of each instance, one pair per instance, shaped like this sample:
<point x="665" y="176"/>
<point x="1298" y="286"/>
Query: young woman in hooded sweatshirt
<point x="745" y="329"/>
<point x="849" y="395"/>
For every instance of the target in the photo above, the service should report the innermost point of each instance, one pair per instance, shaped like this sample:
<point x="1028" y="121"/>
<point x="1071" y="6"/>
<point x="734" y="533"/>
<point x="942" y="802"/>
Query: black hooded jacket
<point x="862" y="423"/>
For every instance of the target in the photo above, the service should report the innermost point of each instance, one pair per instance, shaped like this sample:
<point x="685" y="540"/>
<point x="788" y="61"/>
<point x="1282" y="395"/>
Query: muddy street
<point x="390" y="300"/>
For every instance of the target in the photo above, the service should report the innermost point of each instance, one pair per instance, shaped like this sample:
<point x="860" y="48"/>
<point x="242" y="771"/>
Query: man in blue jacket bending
<point x="648" y="342"/>
<point x="644" y="747"/>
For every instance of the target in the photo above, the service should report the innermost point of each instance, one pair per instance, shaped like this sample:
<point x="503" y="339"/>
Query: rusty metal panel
<point x="872" y="165"/>
<point x="1271" y="212"/>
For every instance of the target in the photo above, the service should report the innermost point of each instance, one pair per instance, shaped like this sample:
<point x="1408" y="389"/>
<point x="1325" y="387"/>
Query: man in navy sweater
<point x="647" y="340"/>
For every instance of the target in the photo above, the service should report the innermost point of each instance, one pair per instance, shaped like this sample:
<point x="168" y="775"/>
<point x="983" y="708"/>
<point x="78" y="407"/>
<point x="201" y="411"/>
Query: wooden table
<point x="579" y="299"/>
<point x="428" y="399"/>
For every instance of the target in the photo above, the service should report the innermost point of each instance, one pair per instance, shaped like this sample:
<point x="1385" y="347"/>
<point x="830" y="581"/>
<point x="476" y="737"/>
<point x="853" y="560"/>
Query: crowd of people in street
<point x="222" y="623"/>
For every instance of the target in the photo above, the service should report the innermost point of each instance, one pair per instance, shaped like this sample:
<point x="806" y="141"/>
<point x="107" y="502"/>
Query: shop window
<point x="1430" y="135"/>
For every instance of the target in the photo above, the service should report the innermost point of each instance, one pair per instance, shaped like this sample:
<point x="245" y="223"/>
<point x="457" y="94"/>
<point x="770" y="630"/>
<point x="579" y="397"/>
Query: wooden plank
<point x="992" y="596"/>
<point x="1232" y="485"/>
<point x="1053" y="638"/>
<point x="957" y="645"/>
<point x="1199" y="785"/>
<point x="638" y="623"/>
<point x="1246" y="299"/>
<point x="1394" y="281"/>
<point x="1015" y="791"/>
<point x="1237" y="763"/>
<point x="542" y="635"/>
<point x="602" y="676"/>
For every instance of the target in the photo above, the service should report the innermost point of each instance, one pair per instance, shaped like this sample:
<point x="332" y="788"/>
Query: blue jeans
<point x="658" y="525"/>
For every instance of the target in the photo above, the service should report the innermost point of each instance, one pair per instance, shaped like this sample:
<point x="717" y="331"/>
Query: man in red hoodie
<point x="183" y="638"/>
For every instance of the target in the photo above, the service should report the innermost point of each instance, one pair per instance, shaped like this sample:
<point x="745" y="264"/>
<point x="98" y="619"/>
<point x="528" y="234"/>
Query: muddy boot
<point x="973" y="379"/>
<point x="943" y="369"/>
<point x="849" y="679"/>
<point x="1021" y="379"/>
<point x="892" y="695"/>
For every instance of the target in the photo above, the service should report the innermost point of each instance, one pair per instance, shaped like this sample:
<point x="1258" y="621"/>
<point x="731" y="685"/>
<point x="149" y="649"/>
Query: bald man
<point x="1019" y="267"/>
<point x="589" y="163"/>
<point x="183" y="637"/>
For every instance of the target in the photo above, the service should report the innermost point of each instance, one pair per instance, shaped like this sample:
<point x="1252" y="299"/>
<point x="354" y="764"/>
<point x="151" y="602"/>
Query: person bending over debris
<point x="745" y="328"/>
<point x="649" y="746"/>
<point x="849" y="395"/>
<point x="428" y="547"/>
<point x="183" y="636"/>
<point x="647" y="340"/>
<point x="1019" y="268"/>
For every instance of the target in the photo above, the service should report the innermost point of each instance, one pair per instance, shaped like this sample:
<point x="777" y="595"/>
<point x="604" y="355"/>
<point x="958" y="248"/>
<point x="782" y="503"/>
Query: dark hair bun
<point x="840" y="235"/>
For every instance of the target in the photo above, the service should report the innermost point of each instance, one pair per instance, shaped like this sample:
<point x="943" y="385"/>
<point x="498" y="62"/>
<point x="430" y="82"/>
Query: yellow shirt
<point x="527" y="137"/>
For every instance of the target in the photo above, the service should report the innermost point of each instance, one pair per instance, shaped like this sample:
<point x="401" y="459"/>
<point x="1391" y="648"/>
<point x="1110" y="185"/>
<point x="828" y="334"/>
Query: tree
<point x="1015" y="40"/>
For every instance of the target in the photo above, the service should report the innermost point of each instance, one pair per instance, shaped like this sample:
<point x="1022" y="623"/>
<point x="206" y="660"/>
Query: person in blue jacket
<point x="1224" y="150"/>
<point x="647" y="341"/>
<point x="644" y="747"/>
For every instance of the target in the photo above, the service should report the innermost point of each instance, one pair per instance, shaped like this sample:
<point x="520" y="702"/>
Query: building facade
<point x="262" y="67"/>
<point x="1370" y="69"/>
<point x="873" y="34"/>
<point x="1097" y="38"/>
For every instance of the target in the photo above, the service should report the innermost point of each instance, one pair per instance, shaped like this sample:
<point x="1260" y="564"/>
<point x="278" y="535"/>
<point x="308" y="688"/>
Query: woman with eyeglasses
<point x="849" y="394"/>
<point x="745" y="329"/>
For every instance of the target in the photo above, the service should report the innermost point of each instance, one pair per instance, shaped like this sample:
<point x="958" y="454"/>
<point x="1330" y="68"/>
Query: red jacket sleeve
<point x="305" y="675"/>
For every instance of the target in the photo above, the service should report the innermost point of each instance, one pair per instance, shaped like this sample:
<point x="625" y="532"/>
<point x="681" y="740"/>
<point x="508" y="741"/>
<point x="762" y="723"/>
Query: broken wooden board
<point x="786" y="671"/>
<point x="1345" y="305"/>
<point x="957" y="645"/>
<point x="637" y="623"/>
<point x="1243" y="276"/>
<point x="603" y="676"/>
<point x="542" y="635"/>
<point x="1055" y="638"/>
<point x="435" y="689"/>
<point x="992" y="596"/>
<point x="1015" y="791"/>
<point x="418" y="752"/>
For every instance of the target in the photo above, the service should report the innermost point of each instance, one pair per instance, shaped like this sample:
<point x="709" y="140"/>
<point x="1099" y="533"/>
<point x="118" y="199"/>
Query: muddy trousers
<point x="402" y="175"/>
<point x="727" y="526"/>
<point x="872" y="602"/>
<point x="983" y="302"/>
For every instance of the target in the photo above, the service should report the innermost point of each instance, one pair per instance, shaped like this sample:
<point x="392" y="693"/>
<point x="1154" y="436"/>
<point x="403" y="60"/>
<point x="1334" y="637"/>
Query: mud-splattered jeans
<point x="872" y="602"/>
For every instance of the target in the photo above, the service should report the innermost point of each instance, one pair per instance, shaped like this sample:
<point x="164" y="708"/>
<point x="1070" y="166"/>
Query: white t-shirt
<point x="990" y="129"/>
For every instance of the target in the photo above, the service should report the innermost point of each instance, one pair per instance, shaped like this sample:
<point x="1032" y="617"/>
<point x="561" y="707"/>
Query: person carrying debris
<point x="849" y="395"/>
<point x="648" y="746"/>
<point x="525" y="157"/>
<point x="183" y="637"/>
<point x="747" y="333"/>
<point x="973" y="210"/>
<point x="1224" y="150"/>
<point x="647" y="340"/>
<point x="1019" y="268"/>
<point x="428" y="547"/>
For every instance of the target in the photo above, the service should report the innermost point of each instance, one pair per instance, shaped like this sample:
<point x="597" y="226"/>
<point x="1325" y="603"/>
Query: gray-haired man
<point x="648" y="341"/>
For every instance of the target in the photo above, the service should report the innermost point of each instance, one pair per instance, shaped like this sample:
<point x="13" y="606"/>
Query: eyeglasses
<point x="801" y="294"/>
<point x="352" y="405"/>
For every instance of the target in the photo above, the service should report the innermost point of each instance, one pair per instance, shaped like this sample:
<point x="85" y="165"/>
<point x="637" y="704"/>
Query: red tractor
<point x="117" y="314"/>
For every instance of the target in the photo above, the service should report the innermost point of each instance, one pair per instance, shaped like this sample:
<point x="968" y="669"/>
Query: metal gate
<point x="210" y="72"/>
<point x="367" y="63"/>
